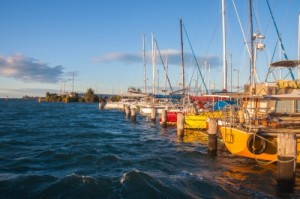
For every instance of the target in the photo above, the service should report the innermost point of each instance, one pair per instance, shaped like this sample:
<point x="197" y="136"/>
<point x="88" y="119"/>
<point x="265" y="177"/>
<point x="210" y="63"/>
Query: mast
<point x="73" y="82"/>
<point x="158" y="81"/>
<point x="251" y="49"/>
<point x="182" y="61"/>
<point x="299" y="45"/>
<point x="144" y="61"/>
<point x="224" y="48"/>
<point x="153" y="63"/>
<point x="166" y="73"/>
<point x="208" y="75"/>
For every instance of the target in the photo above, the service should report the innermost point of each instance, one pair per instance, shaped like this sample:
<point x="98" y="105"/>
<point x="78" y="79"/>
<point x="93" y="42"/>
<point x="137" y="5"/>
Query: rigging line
<point x="269" y="20"/>
<point x="245" y="40"/>
<point x="279" y="37"/>
<point x="256" y="18"/>
<point x="213" y="35"/>
<point x="162" y="60"/>
<point x="195" y="60"/>
<point x="192" y="76"/>
<point x="270" y="69"/>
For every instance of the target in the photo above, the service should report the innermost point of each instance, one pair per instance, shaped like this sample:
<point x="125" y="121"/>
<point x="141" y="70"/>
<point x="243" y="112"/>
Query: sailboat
<point x="252" y="130"/>
<point x="266" y="110"/>
<point x="207" y="106"/>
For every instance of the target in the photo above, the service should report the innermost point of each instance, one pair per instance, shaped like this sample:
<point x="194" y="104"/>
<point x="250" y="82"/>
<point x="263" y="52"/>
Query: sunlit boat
<point x="200" y="121"/>
<point x="208" y="106"/>
<point x="252" y="131"/>
<point x="199" y="110"/>
<point x="171" y="116"/>
<point x="160" y="103"/>
<point x="120" y="104"/>
<point x="132" y="98"/>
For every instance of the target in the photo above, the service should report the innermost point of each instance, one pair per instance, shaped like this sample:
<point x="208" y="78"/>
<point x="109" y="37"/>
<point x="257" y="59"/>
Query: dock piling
<point x="133" y="114"/>
<point x="212" y="135"/>
<point x="153" y="115"/>
<point x="101" y="105"/>
<point x="164" y="118"/>
<point x="180" y="124"/>
<point x="287" y="157"/>
<point x="127" y="110"/>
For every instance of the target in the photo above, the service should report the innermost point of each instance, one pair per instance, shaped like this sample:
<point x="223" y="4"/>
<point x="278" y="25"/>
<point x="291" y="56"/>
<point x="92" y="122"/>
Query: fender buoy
<point x="259" y="146"/>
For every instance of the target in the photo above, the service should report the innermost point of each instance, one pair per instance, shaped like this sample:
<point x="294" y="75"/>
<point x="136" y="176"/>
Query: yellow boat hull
<point x="240" y="142"/>
<point x="199" y="121"/>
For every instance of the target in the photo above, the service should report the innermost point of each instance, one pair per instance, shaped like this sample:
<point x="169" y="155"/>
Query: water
<point x="56" y="150"/>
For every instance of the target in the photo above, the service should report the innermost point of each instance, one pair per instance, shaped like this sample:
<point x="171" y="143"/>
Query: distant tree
<point x="90" y="96"/>
<point x="116" y="98"/>
<point x="81" y="99"/>
<point x="51" y="97"/>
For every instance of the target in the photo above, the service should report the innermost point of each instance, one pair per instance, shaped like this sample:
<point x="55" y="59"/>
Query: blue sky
<point x="42" y="43"/>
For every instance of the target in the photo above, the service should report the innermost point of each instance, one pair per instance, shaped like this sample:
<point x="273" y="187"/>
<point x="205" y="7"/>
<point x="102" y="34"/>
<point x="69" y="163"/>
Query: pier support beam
<point x="164" y="114"/>
<point x="153" y="115"/>
<point x="287" y="157"/>
<point x="127" y="110"/>
<point x="212" y="135"/>
<point x="133" y="114"/>
<point x="180" y="124"/>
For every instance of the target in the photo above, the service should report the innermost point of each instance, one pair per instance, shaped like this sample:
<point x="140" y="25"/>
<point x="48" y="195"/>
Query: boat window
<point x="284" y="106"/>
<point x="297" y="106"/>
<point x="263" y="105"/>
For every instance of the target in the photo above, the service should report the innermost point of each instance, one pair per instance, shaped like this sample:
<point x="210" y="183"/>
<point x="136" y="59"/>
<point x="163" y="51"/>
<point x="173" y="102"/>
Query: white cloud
<point x="29" y="69"/>
<point x="173" y="56"/>
<point x="119" y="57"/>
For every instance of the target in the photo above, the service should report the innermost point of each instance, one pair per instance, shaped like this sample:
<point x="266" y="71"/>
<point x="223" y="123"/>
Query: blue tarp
<point x="219" y="105"/>
<point x="167" y="96"/>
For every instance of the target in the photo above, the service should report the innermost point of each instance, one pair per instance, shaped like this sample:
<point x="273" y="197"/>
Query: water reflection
<point x="255" y="179"/>
<point x="192" y="136"/>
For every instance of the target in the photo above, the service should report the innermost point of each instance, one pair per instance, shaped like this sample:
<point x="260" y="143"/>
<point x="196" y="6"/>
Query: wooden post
<point x="212" y="135"/>
<point x="287" y="157"/>
<point x="153" y="115"/>
<point x="180" y="124"/>
<point x="101" y="105"/>
<point x="133" y="114"/>
<point x="127" y="110"/>
<point x="124" y="105"/>
<point x="164" y="114"/>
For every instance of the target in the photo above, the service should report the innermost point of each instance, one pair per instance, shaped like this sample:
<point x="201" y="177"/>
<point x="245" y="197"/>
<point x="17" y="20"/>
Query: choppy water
<point x="56" y="150"/>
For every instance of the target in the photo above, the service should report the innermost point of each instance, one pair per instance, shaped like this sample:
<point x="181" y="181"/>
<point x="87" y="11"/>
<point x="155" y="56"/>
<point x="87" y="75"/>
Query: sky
<point x="72" y="45"/>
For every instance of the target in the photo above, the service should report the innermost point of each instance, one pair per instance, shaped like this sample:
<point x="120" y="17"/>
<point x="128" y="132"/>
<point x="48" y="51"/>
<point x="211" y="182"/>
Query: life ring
<point x="260" y="143"/>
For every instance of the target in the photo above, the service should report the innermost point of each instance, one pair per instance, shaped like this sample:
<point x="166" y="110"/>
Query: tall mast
<point x="299" y="45"/>
<point x="251" y="49"/>
<point x="158" y="81"/>
<point x="166" y="72"/>
<point x="144" y="61"/>
<point x="182" y="61"/>
<point x="153" y="63"/>
<point x="73" y="82"/>
<point x="224" y="48"/>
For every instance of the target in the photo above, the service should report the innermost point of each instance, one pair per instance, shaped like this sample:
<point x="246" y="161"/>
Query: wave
<point x="21" y="186"/>
<point x="138" y="184"/>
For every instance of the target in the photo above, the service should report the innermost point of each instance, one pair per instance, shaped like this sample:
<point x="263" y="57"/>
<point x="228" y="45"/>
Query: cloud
<point x="119" y="57"/>
<point x="29" y="69"/>
<point x="25" y="91"/>
<point x="171" y="55"/>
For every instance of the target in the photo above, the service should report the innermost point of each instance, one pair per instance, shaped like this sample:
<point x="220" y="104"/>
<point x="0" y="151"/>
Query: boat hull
<point x="199" y="121"/>
<point x="171" y="118"/>
<point x="243" y="143"/>
<point x="148" y="110"/>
